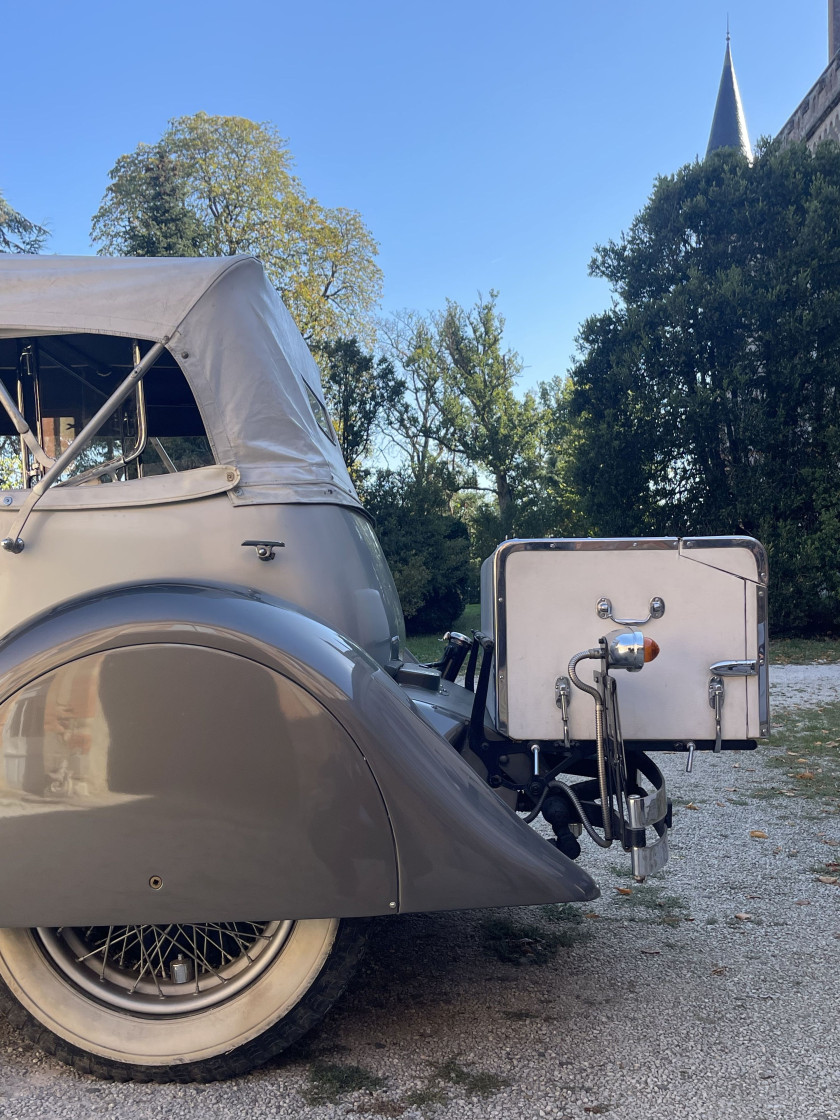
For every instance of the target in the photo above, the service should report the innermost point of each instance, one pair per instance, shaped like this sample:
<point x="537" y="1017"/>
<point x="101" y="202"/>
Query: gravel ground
<point x="711" y="991"/>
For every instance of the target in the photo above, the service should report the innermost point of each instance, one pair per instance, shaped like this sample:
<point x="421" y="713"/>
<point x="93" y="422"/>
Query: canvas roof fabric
<point x="226" y="327"/>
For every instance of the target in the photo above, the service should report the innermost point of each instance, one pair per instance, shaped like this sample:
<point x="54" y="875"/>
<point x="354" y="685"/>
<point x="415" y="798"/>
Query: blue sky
<point x="486" y="145"/>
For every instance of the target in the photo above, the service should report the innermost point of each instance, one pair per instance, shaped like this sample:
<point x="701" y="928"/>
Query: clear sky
<point x="486" y="144"/>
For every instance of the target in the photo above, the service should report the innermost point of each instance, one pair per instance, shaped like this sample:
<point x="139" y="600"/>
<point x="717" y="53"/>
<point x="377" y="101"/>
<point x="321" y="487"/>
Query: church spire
<point x="729" y="125"/>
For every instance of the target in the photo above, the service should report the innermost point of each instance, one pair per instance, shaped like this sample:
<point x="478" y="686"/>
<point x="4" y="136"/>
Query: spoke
<point x="105" y="953"/>
<point x="136" y="959"/>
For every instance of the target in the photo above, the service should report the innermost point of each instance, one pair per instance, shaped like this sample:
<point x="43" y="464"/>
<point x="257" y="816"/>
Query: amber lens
<point x="651" y="650"/>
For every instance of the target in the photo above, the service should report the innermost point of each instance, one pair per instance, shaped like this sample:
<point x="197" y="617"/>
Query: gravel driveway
<point x="711" y="991"/>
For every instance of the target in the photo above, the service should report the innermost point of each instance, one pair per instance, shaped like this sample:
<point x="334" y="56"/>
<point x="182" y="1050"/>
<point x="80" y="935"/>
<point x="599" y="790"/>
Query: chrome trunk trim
<point x="644" y="811"/>
<point x="652" y="857"/>
<point x="755" y="547"/>
<point x="763" y="664"/>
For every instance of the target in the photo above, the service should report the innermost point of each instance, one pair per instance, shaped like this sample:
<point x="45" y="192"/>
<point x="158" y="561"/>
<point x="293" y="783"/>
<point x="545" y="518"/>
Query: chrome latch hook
<point x="265" y="549"/>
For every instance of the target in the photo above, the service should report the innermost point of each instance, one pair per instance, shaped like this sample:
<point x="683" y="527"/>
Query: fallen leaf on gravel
<point x="624" y="890"/>
<point x="744" y="917"/>
<point x="730" y="789"/>
<point x="802" y="902"/>
<point x="652" y="952"/>
<point x="829" y="880"/>
<point x="805" y="759"/>
<point x="806" y="775"/>
<point x="691" y="805"/>
<point x="832" y="866"/>
<point x="719" y="971"/>
<point x="776" y="851"/>
<point x="757" y="834"/>
<point x="753" y="896"/>
<point x="592" y="914"/>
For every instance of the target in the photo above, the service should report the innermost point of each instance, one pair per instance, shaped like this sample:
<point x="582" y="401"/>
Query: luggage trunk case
<point x="540" y="600"/>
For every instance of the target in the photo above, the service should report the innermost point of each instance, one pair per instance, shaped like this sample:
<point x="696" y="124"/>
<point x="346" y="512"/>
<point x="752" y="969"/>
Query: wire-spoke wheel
<point x="174" y="1002"/>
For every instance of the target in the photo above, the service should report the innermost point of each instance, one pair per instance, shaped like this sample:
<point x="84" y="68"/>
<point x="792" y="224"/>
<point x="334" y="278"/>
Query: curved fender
<point x="174" y="753"/>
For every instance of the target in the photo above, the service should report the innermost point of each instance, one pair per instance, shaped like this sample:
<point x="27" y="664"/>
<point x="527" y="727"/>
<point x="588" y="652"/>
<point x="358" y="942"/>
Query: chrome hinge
<point x="562" y="695"/>
<point x="716" y="702"/>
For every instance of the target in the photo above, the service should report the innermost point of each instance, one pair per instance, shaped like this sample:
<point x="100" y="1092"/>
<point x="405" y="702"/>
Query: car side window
<point x="60" y="382"/>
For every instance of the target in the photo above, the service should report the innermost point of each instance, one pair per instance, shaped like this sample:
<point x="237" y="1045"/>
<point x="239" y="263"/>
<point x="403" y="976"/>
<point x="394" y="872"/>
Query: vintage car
<point x="218" y="756"/>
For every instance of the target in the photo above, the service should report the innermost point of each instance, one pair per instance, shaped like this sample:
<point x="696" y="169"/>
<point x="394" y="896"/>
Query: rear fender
<point x="175" y="753"/>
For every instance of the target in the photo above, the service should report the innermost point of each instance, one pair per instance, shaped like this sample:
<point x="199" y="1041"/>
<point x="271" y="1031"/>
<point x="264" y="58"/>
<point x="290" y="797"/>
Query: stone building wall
<point x="818" y="116"/>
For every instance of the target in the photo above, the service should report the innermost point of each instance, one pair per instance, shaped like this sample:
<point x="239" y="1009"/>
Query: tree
<point x="18" y="234"/>
<point x="146" y="213"/>
<point x="485" y="422"/>
<point x="705" y="401"/>
<point x="417" y="423"/>
<point x="235" y="180"/>
<point x="426" y="546"/>
<point x="358" y="390"/>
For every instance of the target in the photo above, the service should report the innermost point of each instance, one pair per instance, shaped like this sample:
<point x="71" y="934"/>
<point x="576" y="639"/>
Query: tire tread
<point x="348" y="949"/>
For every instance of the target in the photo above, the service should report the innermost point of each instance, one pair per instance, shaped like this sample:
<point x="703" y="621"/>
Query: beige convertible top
<point x="227" y="329"/>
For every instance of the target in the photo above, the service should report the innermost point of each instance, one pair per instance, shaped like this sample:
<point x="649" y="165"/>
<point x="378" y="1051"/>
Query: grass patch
<point x="428" y="1097"/>
<point x="429" y="647"/>
<point x="807" y="753"/>
<point x="383" y="1106"/>
<point x="475" y="1083"/>
<point x="329" y="1082"/>
<point x="669" y="909"/>
<point x="440" y="1080"/>
<point x="515" y="943"/>
<point x="562" y="912"/>
<point x="804" y="651"/>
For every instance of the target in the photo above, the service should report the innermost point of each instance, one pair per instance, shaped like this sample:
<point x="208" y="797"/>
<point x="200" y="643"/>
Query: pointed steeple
<point x="729" y="125"/>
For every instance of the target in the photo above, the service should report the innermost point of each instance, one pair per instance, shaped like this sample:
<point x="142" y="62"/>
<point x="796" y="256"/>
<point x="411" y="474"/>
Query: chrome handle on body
<point x="562" y="696"/>
<point x="264" y="549"/>
<point x="734" y="668"/>
<point x="716" y="702"/>
<point x="656" y="609"/>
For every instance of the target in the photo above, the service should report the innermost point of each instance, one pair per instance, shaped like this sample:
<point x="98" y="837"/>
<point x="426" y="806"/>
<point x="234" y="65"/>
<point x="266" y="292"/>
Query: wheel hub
<point x="164" y="969"/>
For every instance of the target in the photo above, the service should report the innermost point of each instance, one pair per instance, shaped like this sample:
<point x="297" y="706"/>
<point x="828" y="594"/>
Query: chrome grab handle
<point x="716" y="702"/>
<point x="656" y="609"/>
<point x="562" y="696"/>
<point x="734" y="668"/>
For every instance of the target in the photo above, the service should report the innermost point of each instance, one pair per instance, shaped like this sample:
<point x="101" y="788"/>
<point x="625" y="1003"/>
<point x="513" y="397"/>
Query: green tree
<point x="237" y="183"/>
<point x="705" y="401"/>
<point x="427" y="547"/>
<point x="418" y="425"/>
<point x="358" y="389"/>
<point x="500" y="434"/>
<point x="18" y="234"/>
<point x="146" y="212"/>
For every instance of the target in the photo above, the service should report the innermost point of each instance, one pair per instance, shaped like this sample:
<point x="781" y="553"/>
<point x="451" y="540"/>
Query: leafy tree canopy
<point x="217" y="186"/>
<point x="705" y="401"/>
<point x="18" y="234"/>
<point x="358" y="389"/>
<point x="426" y="546"/>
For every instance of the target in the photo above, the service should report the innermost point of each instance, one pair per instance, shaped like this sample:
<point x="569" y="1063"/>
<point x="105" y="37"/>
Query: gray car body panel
<point x="248" y="756"/>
